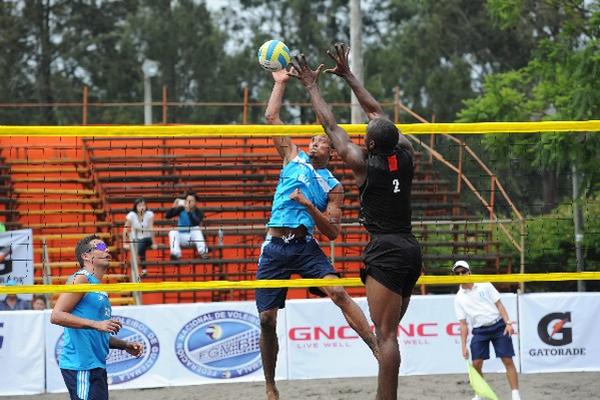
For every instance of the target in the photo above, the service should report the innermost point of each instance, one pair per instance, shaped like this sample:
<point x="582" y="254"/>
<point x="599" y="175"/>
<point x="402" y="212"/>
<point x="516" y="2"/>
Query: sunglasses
<point x="100" y="246"/>
<point x="461" y="272"/>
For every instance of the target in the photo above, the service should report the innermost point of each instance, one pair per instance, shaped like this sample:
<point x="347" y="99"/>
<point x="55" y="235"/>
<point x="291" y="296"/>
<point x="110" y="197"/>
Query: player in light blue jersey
<point x="88" y="327"/>
<point x="307" y="196"/>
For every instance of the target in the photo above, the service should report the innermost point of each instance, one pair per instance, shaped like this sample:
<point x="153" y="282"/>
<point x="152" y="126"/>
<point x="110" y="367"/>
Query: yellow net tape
<point x="293" y="283"/>
<point x="290" y="130"/>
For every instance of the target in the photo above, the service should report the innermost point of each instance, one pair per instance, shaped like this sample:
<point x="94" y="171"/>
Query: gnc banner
<point x="322" y="345"/>
<point x="560" y="332"/>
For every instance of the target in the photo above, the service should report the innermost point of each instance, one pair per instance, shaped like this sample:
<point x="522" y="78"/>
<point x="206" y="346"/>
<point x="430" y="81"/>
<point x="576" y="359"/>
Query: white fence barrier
<point x="201" y="343"/>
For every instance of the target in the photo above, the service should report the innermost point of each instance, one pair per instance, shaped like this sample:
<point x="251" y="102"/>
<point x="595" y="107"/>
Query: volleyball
<point x="273" y="55"/>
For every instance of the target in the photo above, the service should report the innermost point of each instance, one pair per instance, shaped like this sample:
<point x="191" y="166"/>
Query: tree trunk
<point x="44" y="61"/>
<point x="549" y="190"/>
<point x="578" y="222"/>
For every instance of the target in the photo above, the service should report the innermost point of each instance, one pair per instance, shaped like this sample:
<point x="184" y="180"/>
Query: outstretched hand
<point x="281" y="76"/>
<point x="340" y="56"/>
<point x="301" y="70"/>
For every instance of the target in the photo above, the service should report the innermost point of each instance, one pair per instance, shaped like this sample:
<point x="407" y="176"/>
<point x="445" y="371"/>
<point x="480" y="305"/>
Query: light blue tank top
<point x="315" y="184"/>
<point x="87" y="348"/>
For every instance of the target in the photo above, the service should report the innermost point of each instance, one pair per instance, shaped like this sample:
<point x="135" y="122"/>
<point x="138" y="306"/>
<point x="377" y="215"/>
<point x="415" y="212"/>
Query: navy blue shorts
<point x="480" y="343"/>
<point x="91" y="384"/>
<point x="280" y="259"/>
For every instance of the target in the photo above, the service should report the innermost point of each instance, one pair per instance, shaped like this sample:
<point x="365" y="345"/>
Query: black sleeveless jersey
<point x="385" y="194"/>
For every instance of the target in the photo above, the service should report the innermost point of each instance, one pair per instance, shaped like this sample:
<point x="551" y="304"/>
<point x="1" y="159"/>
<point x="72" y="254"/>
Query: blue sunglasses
<point x="101" y="246"/>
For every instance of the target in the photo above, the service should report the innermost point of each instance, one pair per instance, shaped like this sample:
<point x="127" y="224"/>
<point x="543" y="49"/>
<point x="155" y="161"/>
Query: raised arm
<point x="368" y="103"/>
<point x="342" y="69"/>
<point x="352" y="154"/>
<point x="284" y="145"/>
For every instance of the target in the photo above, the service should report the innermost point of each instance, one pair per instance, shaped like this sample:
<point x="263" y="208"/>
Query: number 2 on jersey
<point x="396" y="184"/>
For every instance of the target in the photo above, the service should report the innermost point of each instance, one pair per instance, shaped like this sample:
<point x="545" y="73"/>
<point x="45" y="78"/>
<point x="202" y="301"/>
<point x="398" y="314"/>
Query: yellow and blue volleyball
<point x="273" y="55"/>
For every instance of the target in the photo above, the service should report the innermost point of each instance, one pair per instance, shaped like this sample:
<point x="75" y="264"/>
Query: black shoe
<point x="174" y="257"/>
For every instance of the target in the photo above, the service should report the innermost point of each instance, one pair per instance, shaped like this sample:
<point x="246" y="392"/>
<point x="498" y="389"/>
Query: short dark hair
<point x="83" y="246"/>
<point x="190" y="193"/>
<point x="384" y="134"/>
<point x="39" y="297"/>
<point x="136" y="202"/>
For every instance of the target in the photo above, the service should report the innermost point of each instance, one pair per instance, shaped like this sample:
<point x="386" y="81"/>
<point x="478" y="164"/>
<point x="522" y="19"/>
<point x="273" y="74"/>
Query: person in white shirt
<point x="139" y="224"/>
<point x="480" y="304"/>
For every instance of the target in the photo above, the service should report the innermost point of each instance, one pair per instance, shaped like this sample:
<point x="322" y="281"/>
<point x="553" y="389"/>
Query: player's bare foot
<point x="272" y="394"/>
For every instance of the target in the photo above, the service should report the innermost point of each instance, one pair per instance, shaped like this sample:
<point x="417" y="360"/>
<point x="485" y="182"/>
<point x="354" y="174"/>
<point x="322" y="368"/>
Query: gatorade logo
<point x="552" y="329"/>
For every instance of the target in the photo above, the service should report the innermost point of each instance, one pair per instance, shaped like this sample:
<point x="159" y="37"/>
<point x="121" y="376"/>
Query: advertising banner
<point x="21" y="352"/>
<point x="16" y="259"/>
<point x="186" y="344"/>
<point x="560" y="332"/>
<point x="321" y="344"/>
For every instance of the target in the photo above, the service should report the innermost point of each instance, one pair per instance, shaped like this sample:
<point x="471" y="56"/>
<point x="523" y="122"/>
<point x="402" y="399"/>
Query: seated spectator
<point x="39" y="302"/>
<point x="188" y="233"/>
<point x="139" y="225"/>
<point x="2" y="227"/>
<point x="12" y="302"/>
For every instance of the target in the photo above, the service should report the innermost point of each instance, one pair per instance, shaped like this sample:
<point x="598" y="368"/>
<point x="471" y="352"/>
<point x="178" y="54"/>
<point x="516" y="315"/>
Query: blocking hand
<point x="301" y="70"/>
<point x="340" y="56"/>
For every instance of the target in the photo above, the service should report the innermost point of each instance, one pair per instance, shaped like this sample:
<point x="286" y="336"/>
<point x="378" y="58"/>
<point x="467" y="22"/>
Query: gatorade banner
<point x="560" y="332"/>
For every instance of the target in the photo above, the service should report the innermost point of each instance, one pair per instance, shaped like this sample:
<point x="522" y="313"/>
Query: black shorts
<point x="394" y="260"/>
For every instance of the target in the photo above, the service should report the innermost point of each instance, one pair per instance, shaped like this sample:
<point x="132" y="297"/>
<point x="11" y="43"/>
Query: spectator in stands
<point x="12" y="302"/>
<point x="2" y="227"/>
<point x="89" y="329"/>
<point x="139" y="224"/>
<point x="39" y="302"/>
<point x="307" y="196"/>
<point x="480" y="303"/>
<point x="188" y="231"/>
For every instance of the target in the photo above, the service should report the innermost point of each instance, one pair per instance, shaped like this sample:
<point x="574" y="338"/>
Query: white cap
<point x="461" y="264"/>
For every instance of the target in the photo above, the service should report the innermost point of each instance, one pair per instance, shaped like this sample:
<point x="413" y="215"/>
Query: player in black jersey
<point x="383" y="172"/>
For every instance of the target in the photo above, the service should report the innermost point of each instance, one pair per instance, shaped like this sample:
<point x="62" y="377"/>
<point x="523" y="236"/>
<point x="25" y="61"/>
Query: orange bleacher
<point x="65" y="188"/>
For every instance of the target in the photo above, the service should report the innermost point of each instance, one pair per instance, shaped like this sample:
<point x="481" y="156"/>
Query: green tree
<point x="16" y="84"/>
<point x="560" y="82"/>
<point x="439" y="52"/>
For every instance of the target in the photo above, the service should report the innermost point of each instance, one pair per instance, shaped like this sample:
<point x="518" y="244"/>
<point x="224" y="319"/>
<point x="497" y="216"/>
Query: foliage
<point x="560" y="82"/>
<point x="549" y="242"/>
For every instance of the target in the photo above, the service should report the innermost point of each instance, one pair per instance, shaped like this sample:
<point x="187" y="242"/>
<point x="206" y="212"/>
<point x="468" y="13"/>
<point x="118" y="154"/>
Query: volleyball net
<point x="503" y="196"/>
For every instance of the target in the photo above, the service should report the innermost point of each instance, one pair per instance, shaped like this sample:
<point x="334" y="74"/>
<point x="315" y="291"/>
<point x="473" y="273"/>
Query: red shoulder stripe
<point x="393" y="163"/>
